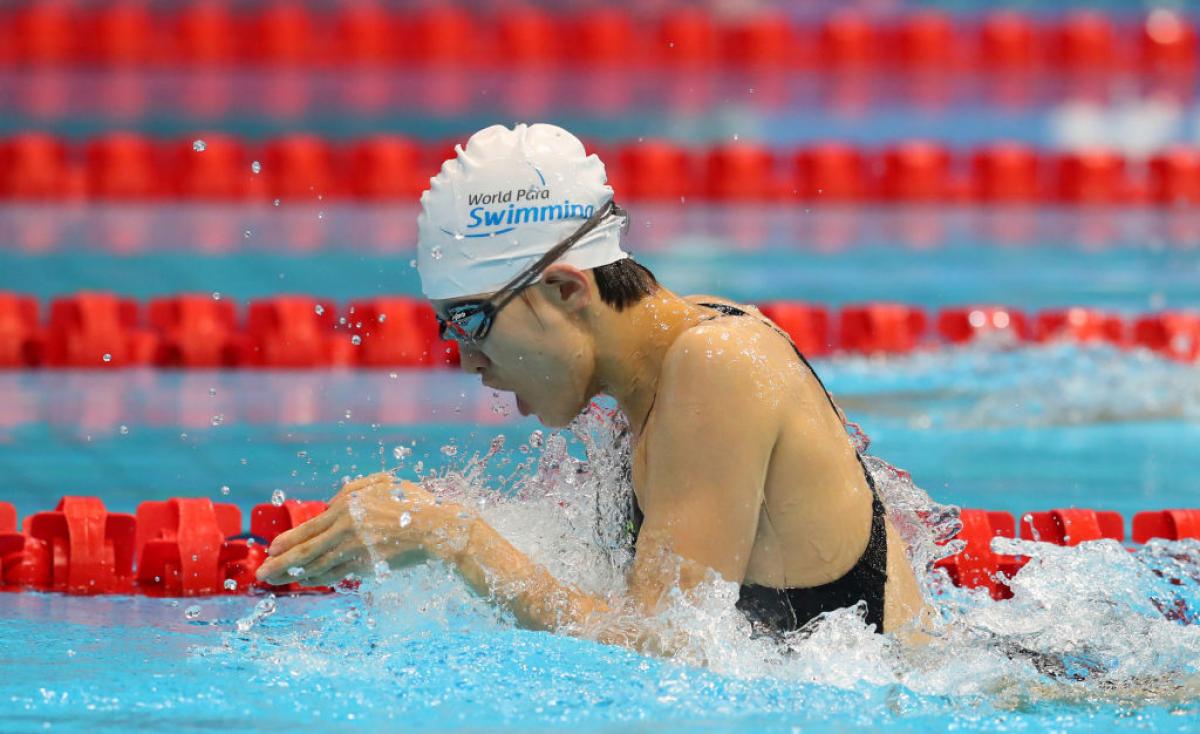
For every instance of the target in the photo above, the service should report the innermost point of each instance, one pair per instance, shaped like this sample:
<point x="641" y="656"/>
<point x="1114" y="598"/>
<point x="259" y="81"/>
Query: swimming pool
<point x="1014" y="430"/>
<point x="994" y="425"/>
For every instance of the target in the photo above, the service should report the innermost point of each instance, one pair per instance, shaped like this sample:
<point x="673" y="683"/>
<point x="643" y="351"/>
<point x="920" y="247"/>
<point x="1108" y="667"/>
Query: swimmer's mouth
<point x="522" y="406"/>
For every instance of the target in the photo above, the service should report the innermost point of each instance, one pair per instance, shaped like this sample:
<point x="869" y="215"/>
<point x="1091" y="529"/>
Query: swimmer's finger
<point x="302" y="532"/>
<point x="336" y="574"/>
<point x="274" y="569"/>
<point x="319" y="566"/>
<point x="362" y="483"/>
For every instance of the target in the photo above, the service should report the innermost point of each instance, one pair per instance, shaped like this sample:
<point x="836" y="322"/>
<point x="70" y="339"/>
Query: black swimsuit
<point x="774" y="611"/>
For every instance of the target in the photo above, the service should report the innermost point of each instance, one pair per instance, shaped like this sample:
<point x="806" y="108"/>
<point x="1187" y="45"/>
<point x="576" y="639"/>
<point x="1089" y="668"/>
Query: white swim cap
<point x="506" y="200"/>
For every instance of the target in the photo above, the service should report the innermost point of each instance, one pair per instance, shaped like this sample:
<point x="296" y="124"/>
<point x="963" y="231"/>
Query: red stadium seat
<point x="916" y="171"/>
<point x="194" y="331"/>
<point x="1007" y="42"/>
<point x="1072" y="526"/>
<point x="881" y="328"/>
<point x="20" y="336"/>
<point x="1081" y="325"/>
<point x="96" y="330"/>
<point x="1175" y="177"/>
<point x="1092" y="177"/>
<point x="34" y="166"/>
<point x="221" y="171"/>
<point x="686" y="36"/>
<point x="654" y="170"/>
<point x="387" y="167"/>
<point x="807" y="325"/>
<point x="123" y="166"/>
<point x="741" y="172"/>
<point x="831" y="172"/>
<point x="765" y="40"/>
<point x="300" y="166"/>
<point x="1005" y="173"/>
<point x="848" y="39"/>
<point x="1172" y="334"/>
<point x="396" y="332"/>
<point x="960" y="325"/>
<point x="1166" y="524"/>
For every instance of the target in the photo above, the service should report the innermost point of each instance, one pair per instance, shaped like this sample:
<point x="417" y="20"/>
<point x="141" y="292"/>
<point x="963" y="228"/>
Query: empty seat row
<point x="287" y="33"/>
<point x="103" y="330"/>
<point x="126" y="166"/>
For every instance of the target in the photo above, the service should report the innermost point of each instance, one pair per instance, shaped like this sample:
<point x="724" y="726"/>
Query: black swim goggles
<point x="468" y="322"/>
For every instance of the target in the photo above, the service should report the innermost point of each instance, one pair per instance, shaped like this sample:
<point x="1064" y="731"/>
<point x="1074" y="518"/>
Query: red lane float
<point x="1072" y="526"/>
<point x="124" y="167"/>
<point x="80" y="548"/>
<point x="103" y="330"/>
<point x="976" y="566"/>
<point x="1167" y="524"/>
<point x="131" y="34"/>
<point x="888" y="328"/>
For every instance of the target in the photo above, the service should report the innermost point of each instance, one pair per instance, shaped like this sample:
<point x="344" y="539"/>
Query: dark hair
<point x="624" y="282"/>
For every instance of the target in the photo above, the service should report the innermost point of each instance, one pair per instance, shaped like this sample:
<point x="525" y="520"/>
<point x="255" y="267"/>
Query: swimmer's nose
<point x="472" y="360"/>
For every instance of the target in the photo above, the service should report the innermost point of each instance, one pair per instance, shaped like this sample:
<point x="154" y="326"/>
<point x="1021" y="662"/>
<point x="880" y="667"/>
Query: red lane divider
<point x="128" y="33"/>
<point x="1072" y="526"/>
<point x="105" y="331"/>
<point x="195" y="547"/>
<point x="207" y="167"/>
<point x="180" y="547"/>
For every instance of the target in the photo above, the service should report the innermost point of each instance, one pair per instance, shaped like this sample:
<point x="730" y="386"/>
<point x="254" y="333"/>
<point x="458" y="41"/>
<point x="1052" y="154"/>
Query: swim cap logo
<point x="523" y="206"/>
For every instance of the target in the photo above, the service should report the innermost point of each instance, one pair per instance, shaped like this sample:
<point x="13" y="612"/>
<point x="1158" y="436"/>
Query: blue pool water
<point x="982" y="426"/>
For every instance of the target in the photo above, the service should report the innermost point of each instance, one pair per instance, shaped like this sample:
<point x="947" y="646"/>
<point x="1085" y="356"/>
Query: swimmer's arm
<point x="703" y="493"/>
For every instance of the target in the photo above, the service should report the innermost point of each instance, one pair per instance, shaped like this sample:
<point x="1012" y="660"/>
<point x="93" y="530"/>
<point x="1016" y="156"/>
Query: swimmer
<point x="741" y="463"/>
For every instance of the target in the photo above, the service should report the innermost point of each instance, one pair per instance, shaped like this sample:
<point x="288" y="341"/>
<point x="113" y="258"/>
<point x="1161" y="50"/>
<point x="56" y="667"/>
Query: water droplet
<point x="199" y="146"/>
<point x="256" y="168"/>
<point x="535" y="439"/>
<point x="277" y="497"/>
<point x="412" y="263"/>
<point x="735" y="137"/>
<point x="124" y="430"/>
<point x="276" y="202"/>
<point x="225" y="490"/>
<point x="212" y="392"/>
<point x="230" y="585"/>
<point x="320" y="215"/>
<point x="436" y="253"/>
<point x="401" y="453"/>
<point x="216" y="295"/>
<point x="458" y="235"/>
<point x="320" y="310"/>
<point x="356" y="340"/>
<point x="107" y="358"/>
<point x="392" y="375"/>
<point x="218" y="419"/>
<point x="405" y="519"/>
<point x="450" y="450"/>
<point x="246" y="234"/>
<point x="192" y="612"/>
<point x="295" y="571"/>
<point x="195" y="557"/>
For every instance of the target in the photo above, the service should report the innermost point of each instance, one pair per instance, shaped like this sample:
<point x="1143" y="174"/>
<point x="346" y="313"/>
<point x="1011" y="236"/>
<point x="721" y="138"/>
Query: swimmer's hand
<point x="372" y="519"/>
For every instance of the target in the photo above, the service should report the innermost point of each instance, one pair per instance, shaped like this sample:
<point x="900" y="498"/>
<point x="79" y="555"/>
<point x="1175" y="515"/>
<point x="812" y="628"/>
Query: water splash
<point x="1089" y="623"/>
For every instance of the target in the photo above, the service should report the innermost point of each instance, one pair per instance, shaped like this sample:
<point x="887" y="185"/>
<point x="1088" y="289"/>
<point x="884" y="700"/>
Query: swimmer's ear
<point x="566" y="286"/>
